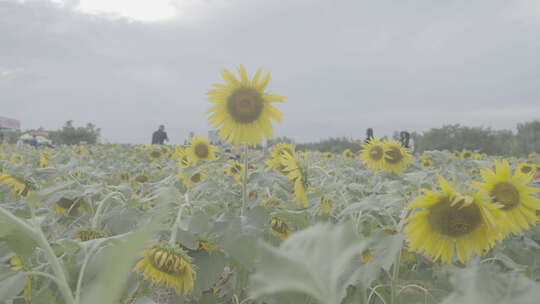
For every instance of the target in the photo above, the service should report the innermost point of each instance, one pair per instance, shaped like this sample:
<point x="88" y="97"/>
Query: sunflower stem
<point x="244" y="180"/>
<point x="97" y="216"/>
<point x="33" y="230"/>
<point x="174" y="232"/>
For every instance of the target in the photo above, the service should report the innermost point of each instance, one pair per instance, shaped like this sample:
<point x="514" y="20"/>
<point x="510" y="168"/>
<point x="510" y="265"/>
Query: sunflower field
<point x="138" y="224"/>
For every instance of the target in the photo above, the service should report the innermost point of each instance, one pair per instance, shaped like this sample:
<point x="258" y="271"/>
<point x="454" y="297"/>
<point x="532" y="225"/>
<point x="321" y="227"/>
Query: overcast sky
<point x="344" y="65"/>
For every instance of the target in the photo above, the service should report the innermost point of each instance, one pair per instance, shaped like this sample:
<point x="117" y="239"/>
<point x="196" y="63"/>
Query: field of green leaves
<point x="157" y="224"/>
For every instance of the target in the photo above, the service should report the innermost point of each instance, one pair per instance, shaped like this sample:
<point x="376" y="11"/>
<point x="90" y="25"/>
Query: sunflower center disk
<point x="196" y="177"/>
<point x="393" y="155"/>
<point x="506" y="194"/>
<point x="201" y="150"/>
<point x="526" y="169"/>
<point x="454" y="221"/>
<point x="245" y="105"/>
<point x="376" y="153"/>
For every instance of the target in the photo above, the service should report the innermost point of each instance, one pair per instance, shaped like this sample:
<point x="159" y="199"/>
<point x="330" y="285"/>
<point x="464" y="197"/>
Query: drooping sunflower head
<point x="88" y="234"/>
<point x="448" y="224"/>
<point x="200" y="149"/>
<point x="242" y="109"/>
<point x="280" y="149"/>
<point x="396" y="157"/>
<point x="373" y="154"/>
<point x="167" y="266"/>
<point x="66" y="204"/>
<point x="280" y="228"/>
<point x="509" y="190"/>
<point x="348" y="154"/>
<point x="17" y="185"/>
<point x="295" y="172"/>
<point x="272" y="202"/>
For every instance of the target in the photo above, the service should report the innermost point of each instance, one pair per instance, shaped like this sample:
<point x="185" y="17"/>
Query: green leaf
<point x="11" y="286"/>
<point x="316" y="261"/>
<point x="210" y="266"/>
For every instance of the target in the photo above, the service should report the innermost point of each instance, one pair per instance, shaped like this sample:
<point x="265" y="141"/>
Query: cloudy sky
<point x="344" y="65"/>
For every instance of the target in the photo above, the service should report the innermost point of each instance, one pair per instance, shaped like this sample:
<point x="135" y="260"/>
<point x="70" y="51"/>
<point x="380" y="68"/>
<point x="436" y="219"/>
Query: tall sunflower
<point x="200" y="149"/>
<point x="448" y="223"/>
<point x="373" y="154"/>
<point x="242" y="109"/>
<point x="167" y="266"/>
<point x="396" y="157"/>
<point x="512" y="193"/>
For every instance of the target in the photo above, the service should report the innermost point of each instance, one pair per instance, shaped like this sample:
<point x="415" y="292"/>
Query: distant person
<point x="159" y="136"/>
<point x="1" y="137"/>
<point x="369" y="135"/>
<point x="405" y="138"/>
<point x="33" y="142"/>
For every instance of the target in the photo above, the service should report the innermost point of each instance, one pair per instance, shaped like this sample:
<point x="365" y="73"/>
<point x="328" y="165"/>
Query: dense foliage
<point x="74" y="222"/>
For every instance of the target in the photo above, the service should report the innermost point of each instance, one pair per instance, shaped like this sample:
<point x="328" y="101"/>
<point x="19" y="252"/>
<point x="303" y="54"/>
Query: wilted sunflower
<point x="17" y="264"/>
<point x="527" y="168"/>
<point x="167" y="266"/>
<point x="448" y="223"/>
<point x="88" y="234"/>
<point x="280" y="228"/>
<point x="200" y="149"/>
<point x="297" y="175"/>
<point x="242" y="110"/>
<point x="348" y="154"/>
<point x="206" y="245"/>
<point x="273" y="202"/>
<point x="17" y="186"/>
<point x="396" y="157"/>
<point x="512" y="193"/>
<point x="65" y="204"/>
<point x="373" y="154"/>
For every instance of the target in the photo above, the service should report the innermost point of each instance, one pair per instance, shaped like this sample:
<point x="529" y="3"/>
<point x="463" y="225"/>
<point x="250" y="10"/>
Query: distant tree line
<point x="71" y="135"/>
<point x="448" y="137"/>
<point x="68" y="135"/>
<point x="485" y="140"/>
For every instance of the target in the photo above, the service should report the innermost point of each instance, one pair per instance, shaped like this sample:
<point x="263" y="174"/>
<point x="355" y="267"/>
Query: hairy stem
<point x="244" y="180"/>
<point x="176" y="224"/>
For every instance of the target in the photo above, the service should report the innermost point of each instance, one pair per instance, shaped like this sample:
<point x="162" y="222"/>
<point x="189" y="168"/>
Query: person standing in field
<point x="159" y="136"/>
<point x="369" y="135"/>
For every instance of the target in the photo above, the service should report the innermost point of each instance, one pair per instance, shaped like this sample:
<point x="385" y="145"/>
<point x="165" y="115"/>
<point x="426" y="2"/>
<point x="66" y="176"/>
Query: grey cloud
<point x="343" y="65"/>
